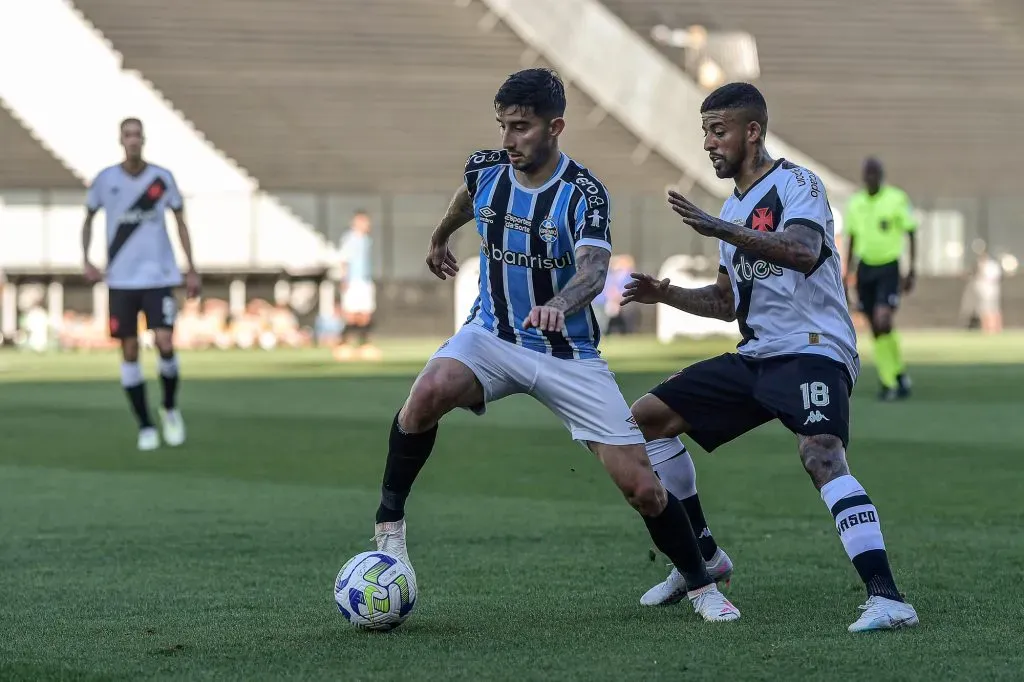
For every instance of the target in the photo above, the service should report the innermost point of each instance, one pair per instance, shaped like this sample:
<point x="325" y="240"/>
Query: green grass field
<point x="216" y="561"/>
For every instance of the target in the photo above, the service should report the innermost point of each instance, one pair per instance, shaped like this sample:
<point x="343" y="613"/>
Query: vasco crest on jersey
<point x="766" y="215"/>
<point x="548" y="231"/>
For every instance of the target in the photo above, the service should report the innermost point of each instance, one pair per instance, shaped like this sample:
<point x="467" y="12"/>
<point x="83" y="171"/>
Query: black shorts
<point x="878" y="285"/>
<point x="727" y="396"/>
<point x="158" y="305"/>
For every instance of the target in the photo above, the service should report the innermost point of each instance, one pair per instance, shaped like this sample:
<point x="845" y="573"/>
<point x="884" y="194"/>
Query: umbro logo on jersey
<point x="816" y="417"/>
<point x="487" y="214"/>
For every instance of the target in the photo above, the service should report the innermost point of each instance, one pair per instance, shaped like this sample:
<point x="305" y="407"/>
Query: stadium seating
<point x="841" y="83"/>
<point x="25" y="163"/>
<point x="346" y="95"/>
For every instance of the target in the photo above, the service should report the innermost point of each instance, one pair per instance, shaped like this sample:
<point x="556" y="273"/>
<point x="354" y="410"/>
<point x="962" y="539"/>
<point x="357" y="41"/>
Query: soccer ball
<point x="375" y="591"/>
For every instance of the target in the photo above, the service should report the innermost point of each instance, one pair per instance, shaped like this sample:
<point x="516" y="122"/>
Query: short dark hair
<point x="539" y="90"/>
<point x="739" y="96"/>
<point x="130" y="119"/>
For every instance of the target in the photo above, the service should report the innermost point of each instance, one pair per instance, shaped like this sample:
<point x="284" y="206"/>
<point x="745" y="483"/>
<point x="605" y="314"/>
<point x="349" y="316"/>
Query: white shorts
<point x="360" y="297"/>
<point x="582" y="393"/>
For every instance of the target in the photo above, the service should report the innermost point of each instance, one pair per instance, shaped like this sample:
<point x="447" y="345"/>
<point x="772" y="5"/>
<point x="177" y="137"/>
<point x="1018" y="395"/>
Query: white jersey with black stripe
<point x="139" y="251"/>
<point x="782" y="311"/>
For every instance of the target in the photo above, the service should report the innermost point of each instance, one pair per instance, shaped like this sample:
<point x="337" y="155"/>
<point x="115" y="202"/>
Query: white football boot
<point x="712" y="605"/>
<point x="148" y="439"/>
<point x="673" y="588"/>
<point x="884" y="614"/>
<point x="390" y="538"/>
<point x="174" y="427"/>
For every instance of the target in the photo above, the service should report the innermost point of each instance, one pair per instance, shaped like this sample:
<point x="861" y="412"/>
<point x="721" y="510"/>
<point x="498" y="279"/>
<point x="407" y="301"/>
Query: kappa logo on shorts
<point x="816" y="417"/>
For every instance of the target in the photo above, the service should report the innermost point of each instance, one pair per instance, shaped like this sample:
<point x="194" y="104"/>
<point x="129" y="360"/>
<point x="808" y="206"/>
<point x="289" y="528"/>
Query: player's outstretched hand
<point x="193" y="284"/>
<point x="693" y="216"/>
<point x="441" y="261"/>
<point x="92" y="273"/>
<point x="545" y="318"/>
<point x="644" y="289"/>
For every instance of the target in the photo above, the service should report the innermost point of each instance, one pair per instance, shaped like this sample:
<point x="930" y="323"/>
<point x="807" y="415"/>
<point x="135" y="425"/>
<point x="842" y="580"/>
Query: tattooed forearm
<point x="712" y="301"/>
<point x="797" y="247"/>
<point x="587" y="283"/>
<point x="460" y="212"/>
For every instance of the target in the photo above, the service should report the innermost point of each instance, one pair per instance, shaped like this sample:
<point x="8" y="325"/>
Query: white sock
<point x="168" y="367"/>
<point x="856" y="517"/>
<point x="131" y="374"/>
<point x="672" y="462"/>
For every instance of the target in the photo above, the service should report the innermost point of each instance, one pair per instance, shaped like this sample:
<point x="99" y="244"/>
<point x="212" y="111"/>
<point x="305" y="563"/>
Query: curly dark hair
<point x="537" y="90"/>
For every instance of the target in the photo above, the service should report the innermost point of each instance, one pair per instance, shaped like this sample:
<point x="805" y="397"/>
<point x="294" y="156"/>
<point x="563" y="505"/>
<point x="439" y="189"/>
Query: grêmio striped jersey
<point x="528" y="242"/>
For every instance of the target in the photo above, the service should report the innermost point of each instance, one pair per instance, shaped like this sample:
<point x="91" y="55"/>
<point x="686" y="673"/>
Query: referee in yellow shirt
<point x="879" y="221"/>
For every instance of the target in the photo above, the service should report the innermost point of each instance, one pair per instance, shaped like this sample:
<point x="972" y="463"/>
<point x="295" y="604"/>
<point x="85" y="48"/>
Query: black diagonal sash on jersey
<point x="768" y="213"/>
<point x="145" y="202"/>
<point x="745" y="288"/>
<point x="543" y="286"/>
<point x="496" y="269"/>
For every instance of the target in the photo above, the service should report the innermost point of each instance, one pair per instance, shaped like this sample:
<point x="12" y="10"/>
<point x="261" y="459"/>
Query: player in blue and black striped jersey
<point x="530" y="239"/>
<point x="545" y="243"/>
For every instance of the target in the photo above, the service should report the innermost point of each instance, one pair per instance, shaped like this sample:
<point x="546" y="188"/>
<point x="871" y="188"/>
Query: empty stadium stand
<point x="347" y="95"/>
<point x="932" y="86"/>
<point x="25" y="164"/>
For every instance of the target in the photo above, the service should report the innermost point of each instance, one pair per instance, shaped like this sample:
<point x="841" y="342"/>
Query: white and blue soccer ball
<point x="375" y="591"/>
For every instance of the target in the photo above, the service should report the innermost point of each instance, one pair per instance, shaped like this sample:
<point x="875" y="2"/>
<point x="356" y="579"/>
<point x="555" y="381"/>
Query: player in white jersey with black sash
<point x="780" y="279"/>
<point x="142" y="273"/>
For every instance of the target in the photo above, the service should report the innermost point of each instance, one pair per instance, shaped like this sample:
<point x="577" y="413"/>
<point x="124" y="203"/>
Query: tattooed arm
<point x="460" y="212"/>
<point x="440" y="259"/>
<point x="796" y="247"/>
<point x="585" y="285"/>
<point x="715" y="301"/>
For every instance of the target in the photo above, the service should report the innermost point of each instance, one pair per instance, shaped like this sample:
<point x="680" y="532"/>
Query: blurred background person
<point x="616" y="318"/>
<point x="879" y="221"/>
<point x="981" y="304"/>
<point x="358" y="292"/>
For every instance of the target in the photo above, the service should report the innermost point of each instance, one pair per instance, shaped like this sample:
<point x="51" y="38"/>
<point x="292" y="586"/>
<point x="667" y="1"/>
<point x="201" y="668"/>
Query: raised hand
<point x="692" y="215"/>
<point x="644" y="289"/>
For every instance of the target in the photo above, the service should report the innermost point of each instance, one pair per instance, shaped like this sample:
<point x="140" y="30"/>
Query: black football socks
<point x="135" y="387"/>
<point x="674" y="466"/>
<point x="169" y="379"/>
<point x="673" y="536"/>
<point x="407" y="453"/>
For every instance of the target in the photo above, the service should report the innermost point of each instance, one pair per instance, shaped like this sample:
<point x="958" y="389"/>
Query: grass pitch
<point x="216" y="561"/>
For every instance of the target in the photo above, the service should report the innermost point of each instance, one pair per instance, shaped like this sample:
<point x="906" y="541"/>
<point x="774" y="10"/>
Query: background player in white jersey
<point x="545" y="245"/>
<point x="142" y="273"/>
<point x="779" y="278"/>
